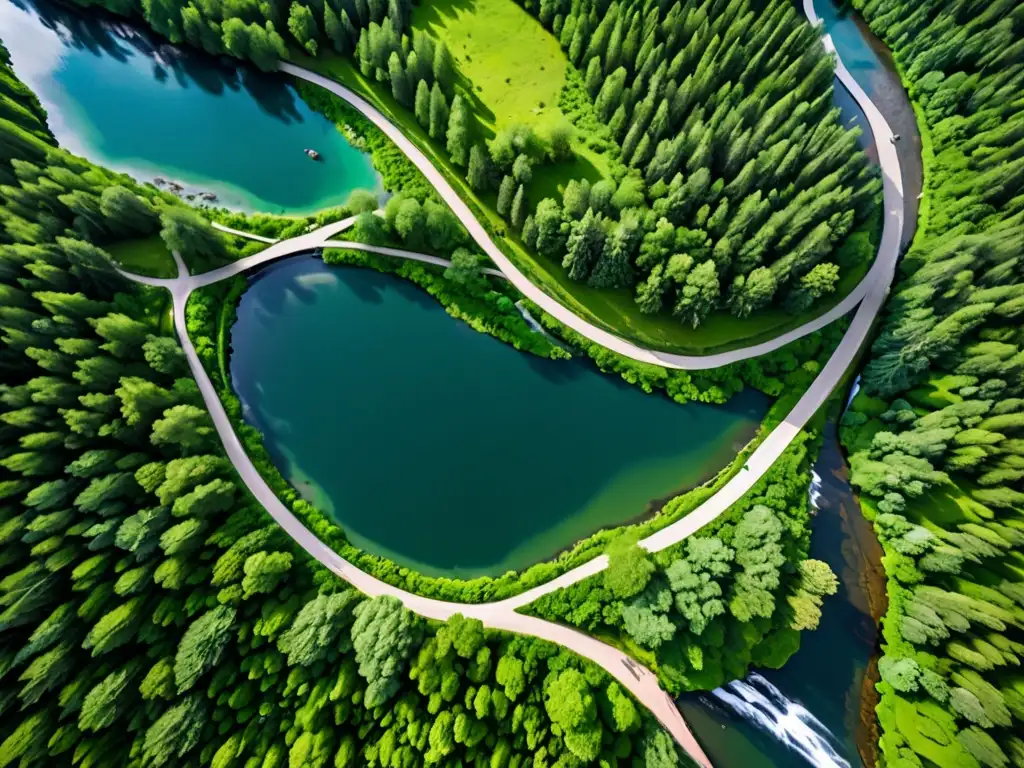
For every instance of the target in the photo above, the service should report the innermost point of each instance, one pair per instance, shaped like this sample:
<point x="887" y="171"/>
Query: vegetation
<point x="511" y="71"/>
<point x="735" y="594"/>
<point x="677" y="232"/>
<point x="935" y="435"/>
<point x="144" y="256"/>
<point x="706" y="103"/>
<point x="487" y="306"/>
<point x="151" y="614"/>
<point x="787" y="370"/>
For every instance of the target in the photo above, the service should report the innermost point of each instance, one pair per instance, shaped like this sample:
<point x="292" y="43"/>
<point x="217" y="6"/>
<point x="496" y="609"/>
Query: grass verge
<point x="144" y="256"/>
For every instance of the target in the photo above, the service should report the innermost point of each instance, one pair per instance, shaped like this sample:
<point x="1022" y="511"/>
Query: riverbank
<point x="810" y="710"/>
<point x="866" y="57"/>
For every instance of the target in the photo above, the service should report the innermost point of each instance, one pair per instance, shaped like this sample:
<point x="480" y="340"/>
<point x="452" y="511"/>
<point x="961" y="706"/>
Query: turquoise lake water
<point x="443" y="448"/>
<point x="125" y="101"/>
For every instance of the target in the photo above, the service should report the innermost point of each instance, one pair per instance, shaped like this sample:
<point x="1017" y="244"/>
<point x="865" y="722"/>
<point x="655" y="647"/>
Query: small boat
<point x="312" y="153"/>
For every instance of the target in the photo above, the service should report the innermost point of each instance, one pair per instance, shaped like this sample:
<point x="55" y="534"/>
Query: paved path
<point x="634" y="677"/>
<point x="502" y="614"/>
<point x="881" y="270"/>
<point x="311" y="241"/>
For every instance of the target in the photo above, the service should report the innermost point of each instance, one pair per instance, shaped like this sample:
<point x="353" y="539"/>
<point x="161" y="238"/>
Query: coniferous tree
<point x="699" y="295"/>
<point x="443" y="68"/>
<point x="302" y="25"/>
<point x="422" y="109"/>
<point x="478" y="174"/>
<point x="400" y="87"/>
<point x="584" y="245"/>
<point x="517" y="214"/>
<point x="438" y="114"/>
<point x="506" y="191"/>
<point x="458" y="132"/>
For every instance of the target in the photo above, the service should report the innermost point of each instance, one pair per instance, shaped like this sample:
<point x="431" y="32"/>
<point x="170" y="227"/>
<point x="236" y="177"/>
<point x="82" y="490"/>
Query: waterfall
<point x="853" y="392"/>
<point x="815" y="490"/>
<point x="534" y="325"/>
<point x="761" y="703"/>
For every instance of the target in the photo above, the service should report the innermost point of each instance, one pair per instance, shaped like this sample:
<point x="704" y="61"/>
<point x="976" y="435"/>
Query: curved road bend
<point x="502" y="614"/>
<point x="880" y="271"/>
<point x="634" y="677"/>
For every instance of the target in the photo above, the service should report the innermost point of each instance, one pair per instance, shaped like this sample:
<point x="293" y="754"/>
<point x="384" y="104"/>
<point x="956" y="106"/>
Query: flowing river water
<point x="810" y="711"/>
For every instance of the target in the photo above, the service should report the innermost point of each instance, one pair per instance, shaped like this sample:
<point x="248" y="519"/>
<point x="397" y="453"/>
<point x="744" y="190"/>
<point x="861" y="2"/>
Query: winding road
<point x="868" y="299"/>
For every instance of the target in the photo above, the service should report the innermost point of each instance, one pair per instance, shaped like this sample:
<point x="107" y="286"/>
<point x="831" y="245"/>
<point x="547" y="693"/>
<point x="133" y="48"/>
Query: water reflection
<point x="129" y="101"/>
<point x="103" y="37"/>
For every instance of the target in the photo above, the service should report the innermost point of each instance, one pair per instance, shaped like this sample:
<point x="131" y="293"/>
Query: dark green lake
<point x="443" y="448"/>
<point x="127" y="101"/>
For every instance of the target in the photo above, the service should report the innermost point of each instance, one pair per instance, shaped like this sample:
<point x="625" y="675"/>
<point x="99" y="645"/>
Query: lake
<point x="442" y="448"/>
<point x="125" y="100"/>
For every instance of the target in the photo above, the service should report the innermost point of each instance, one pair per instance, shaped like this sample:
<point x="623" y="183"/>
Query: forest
<point x="735" y="182"/>
<point x="731" y="184"/>
<point x="735" y="594"/>
<point x="936" y="436"/>
<point x="151" y="613"/>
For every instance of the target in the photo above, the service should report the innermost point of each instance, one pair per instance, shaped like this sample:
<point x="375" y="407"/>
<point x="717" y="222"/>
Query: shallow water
<point x="871" y="65"/>
<point x="443" y="448"/>
<point x="125" y="100"/>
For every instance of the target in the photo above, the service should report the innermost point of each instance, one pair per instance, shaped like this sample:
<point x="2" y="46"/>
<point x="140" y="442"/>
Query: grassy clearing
<point x="513" y="70"/>
<point x="613" y="311"/>
<point x="509" y="63"/>
<point x="144" y="256"/>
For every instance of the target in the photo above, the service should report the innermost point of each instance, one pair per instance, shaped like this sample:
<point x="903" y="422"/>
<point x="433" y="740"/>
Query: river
<point x="121" y="98"/>
<point x="817" y="710"/>
<point x="811" y="708"/>
<point x="450" y="486"/>
<point x="447" y="450"/>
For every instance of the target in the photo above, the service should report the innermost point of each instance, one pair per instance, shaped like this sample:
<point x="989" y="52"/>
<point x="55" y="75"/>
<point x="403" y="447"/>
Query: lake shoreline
<point x="208" y="124"/>
<point x="528" y="406"/>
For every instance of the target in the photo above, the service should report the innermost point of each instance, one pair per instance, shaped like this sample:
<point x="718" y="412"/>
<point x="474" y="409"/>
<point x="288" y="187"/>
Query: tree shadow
<point x="103" y="34"/>
<point x="435" y="16"/>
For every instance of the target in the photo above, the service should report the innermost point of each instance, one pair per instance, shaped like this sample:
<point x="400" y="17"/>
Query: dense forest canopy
<point x="737" y="182"/>
<point x="732" y="183"/>
<point x="937" y="442"/>
<point x="151" y="613"/>
<point x="736" y="594"/>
